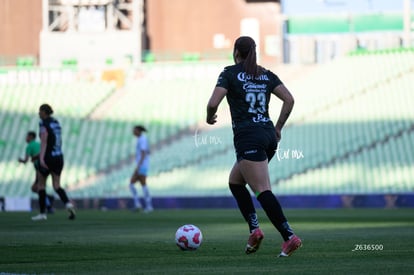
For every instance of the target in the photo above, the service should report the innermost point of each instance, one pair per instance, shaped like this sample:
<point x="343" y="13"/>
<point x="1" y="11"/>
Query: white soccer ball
<point x="188" y="237"/>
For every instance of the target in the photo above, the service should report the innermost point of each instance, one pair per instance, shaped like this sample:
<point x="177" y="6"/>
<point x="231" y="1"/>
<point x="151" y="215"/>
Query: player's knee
<point x="262" y="190"/>
<point x="56" y="187"/>
<point x="34" y="188"/>
<point x="236" y="183"/>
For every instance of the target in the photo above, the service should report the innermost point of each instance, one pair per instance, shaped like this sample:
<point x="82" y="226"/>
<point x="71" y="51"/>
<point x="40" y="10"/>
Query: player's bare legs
<point x="256" y="173"/>
<point x="62" y="195"/>
<point x="142" y="180"/>
<point x="49" y="199"/>
<point x="237" y="185"/>
<point x="132" y="188"/>
<point x="41" y="191"/>
<point x="147" y="197"/>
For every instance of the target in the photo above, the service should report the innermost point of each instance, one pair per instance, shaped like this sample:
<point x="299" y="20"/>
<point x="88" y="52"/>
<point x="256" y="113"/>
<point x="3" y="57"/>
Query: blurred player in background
<point x="32" y="153"/>
<point x="141" y="170"/>
<point x="248" y="88"/>
<point x="51" y="160"/>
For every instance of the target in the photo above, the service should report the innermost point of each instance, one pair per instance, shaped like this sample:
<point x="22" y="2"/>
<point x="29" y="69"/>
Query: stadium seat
<point x="347" y="119"/>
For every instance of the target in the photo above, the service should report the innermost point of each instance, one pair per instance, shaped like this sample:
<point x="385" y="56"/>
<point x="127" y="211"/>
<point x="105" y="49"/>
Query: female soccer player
<point x="51" y="160"/>
<point x="248" y="87"/>
<point x="32" y="152"/>
<point x="141" y="170"/>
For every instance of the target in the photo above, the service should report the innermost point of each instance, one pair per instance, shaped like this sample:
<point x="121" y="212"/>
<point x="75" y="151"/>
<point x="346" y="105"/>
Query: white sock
<point x="135" y="195"/>
<point x="147" y="197"/>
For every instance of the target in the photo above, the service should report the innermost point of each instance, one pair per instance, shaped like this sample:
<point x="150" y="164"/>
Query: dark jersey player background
<point x="54" y="140"/>
<point x="51" y="160"/>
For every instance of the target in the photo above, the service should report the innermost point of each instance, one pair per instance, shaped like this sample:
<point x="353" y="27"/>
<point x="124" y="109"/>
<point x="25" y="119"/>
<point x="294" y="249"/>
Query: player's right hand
<point x="278" y="134"/>
<point x="43" y="164"/>
<point x="212" y="120"/>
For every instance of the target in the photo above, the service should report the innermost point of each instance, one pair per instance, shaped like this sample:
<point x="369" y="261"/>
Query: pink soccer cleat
<point x="290" y="246"/>
<point x="254" y="241"/>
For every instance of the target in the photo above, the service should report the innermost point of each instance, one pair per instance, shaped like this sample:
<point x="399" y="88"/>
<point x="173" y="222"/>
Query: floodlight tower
<point x="91" y="33"/>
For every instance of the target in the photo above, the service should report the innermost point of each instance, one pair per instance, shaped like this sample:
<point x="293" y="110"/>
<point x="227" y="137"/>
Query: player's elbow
<point x="289" y="100"/>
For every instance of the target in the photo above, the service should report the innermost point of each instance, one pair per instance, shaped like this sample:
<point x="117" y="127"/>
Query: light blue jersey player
<point x="142" y="158"/>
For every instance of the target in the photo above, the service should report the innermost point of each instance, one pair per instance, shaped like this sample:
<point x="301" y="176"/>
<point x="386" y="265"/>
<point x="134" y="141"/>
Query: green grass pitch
<point x="124" y="242"/>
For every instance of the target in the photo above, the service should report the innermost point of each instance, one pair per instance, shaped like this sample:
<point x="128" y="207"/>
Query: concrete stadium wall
<point x="20" y="25"/>
<point x="179" y="25"/>
<point x="188" y="25"/>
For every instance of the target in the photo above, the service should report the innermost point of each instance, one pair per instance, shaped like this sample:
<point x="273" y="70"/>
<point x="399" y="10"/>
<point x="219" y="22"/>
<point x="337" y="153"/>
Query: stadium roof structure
<point x="81" y="2"/>
<point x="90" y="33"/>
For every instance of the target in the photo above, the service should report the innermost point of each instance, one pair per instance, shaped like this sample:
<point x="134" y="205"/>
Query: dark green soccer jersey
<point x="248" y="97"/>
<point x="33" y="148"/>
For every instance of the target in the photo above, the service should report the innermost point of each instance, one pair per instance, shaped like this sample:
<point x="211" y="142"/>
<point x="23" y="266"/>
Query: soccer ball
<point x="188" y="237"/>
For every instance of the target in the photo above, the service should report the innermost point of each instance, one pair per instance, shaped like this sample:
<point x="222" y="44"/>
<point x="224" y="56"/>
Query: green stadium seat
<point x="336" y="113"/>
